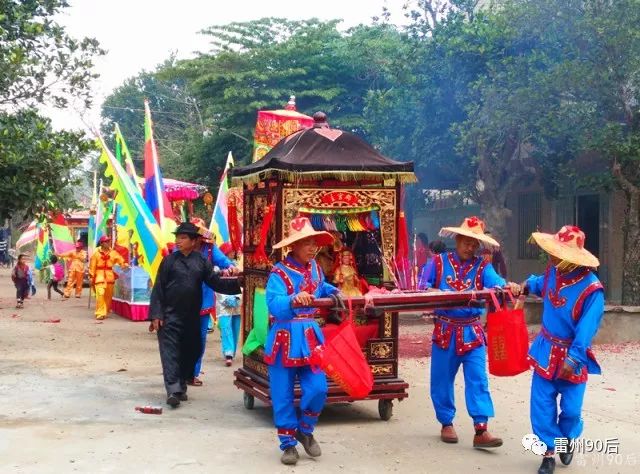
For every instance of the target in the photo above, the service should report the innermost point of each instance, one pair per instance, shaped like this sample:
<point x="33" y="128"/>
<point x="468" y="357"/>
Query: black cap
<point x="187" y="228"/>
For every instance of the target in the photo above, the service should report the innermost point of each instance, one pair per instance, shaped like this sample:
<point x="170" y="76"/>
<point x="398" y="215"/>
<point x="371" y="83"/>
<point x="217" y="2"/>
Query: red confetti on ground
<point x="51" y="321"/>
<point x="415" y="346"/>
<point x="611" y="389"/>
<point x="15" y="316"/>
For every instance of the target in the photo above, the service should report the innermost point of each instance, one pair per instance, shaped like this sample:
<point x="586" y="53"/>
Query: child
<point x="56" y="275"/>
<point x="228" y="311"/>
<point x="21" y="277"/>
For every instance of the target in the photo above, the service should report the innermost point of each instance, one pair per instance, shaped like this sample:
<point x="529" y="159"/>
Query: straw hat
<point x="301" y="228"/>
<point x="567" y="245"/>
<point x="471" y="227"/>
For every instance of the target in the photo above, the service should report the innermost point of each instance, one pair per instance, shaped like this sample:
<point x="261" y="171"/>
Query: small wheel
<point x="385" y="409"/>
<point x="249" y="401"/>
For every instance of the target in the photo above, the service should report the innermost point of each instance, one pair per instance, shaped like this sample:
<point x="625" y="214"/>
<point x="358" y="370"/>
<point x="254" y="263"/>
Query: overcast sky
<point x="139" y="34"/>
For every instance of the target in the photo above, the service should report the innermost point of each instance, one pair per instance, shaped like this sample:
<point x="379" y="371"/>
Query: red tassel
<point x="235" y="235"/>
<point x="261" y="255"/>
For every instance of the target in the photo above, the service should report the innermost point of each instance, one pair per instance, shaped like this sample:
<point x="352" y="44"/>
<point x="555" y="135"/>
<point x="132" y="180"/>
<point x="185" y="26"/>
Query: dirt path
<point x="69" y="390"/>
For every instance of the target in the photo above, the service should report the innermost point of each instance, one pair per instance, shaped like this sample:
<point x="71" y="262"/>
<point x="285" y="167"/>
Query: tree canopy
<point x="39" y="64"/>
<point x="485" y="100"/>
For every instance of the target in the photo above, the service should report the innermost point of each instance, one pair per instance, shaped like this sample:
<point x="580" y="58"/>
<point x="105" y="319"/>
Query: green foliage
<point x="35" y="164"/>
<point x="206" y="106"/>
<point x="39" y="64"/>
<point x="39" y="61"/>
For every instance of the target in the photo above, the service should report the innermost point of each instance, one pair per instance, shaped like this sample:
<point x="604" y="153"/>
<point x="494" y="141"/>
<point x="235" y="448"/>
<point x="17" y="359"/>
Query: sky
<point x="139" y="34"/>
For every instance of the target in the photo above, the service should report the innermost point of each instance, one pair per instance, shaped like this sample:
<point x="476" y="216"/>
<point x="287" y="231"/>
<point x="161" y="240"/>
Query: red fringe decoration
<point x="235" y="235"/>
<point x="261" y="255"/>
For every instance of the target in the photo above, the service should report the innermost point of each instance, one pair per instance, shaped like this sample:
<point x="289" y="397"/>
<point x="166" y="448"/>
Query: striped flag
<point x="42" y="246"/>
<point x="28" y="236"/>
<point x="219" y="226"/>
<point x="154" y="193"/>
<point x="145" y="230"/>
<point x="123" y="155"/>
<point x="61" y="237"/>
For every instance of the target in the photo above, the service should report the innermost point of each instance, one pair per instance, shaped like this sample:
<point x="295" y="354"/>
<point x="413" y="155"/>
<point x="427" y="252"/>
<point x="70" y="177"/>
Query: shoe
<point x="183" y="397"/>
<point x="228" y="361"/>
<point x="548" y="466"/>
<point x="290" y="456"/>
<point x="310" y="445"/>
<point x="566" y="458"/>
<point x="485" y="440"/>
<point x="100" y="318"/>
<point x="448" y="434"/>
<point x="173" y="400"/>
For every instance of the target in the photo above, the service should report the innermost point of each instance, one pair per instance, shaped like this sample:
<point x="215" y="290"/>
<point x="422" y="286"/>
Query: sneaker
<point x="183" y="397"/>
<point x="310" y="445"/>
<point x="173" y="400"/>
<point x="448" y="434"/>
<point x="548" y="466"/>
<point x="290" y="456"/>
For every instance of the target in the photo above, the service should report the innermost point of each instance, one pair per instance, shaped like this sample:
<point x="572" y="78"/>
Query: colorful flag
<point x="28" y="236"/>
<point x="42" y="247"/>
<point x="273" y="125"/>
<point x="61" y="237"/>
<point x="154" y="193"/>
<point x="219" y="226"/>
<point x="145" y="230"/>
<point x="123" y="155"/>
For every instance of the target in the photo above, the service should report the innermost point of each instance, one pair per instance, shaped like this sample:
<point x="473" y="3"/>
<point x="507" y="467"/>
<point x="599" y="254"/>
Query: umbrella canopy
<point x="324" y="152"/>
<point x="180" y="190"/>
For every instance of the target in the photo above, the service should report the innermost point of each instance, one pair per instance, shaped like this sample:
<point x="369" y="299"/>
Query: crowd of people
<point x="200" y="279"/>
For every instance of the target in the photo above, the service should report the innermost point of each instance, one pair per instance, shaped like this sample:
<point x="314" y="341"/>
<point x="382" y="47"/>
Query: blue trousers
<point x="204" y="326"/>
<point x="285" y="416"/>
<point x="444" y="367"/>
<point x="229" y="331"/>
<point x="545" y="421"/>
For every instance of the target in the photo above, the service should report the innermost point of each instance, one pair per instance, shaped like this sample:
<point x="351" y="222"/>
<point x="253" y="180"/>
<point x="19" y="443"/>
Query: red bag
<point x="341" y="358"/>
<point x="507" y="341"/>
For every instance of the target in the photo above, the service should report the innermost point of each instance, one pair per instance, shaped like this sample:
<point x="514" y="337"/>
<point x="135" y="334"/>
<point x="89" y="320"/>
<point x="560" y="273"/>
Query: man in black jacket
<point x="175" y="309"/>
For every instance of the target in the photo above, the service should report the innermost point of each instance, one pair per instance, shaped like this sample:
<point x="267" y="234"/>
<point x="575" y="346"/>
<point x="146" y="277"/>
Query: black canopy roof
<point x="324" y="152"/>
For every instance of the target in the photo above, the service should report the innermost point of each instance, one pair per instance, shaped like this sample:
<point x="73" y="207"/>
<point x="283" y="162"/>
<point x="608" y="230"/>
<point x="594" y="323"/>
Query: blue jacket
<point x="293" y="331"/>
<point x="212" y="253"/>
<point x="573" y="306"/>
<point x="448" y="273"/>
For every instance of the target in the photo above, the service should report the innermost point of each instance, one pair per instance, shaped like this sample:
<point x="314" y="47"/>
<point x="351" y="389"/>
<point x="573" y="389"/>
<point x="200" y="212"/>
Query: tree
<point x="39" y="61"/>
<point x="604" y="79"/>
<point x="251" y="66"/>
<point x="35" y="164"/>
<point x="39" y="64"/>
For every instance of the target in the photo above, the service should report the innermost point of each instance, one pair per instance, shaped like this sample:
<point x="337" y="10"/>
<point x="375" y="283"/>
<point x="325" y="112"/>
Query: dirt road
<point x="68" y="392"/>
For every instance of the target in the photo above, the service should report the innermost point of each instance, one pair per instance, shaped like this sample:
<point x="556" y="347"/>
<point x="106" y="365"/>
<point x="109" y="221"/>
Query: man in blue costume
<point x="458" y="336"/>
<point x="294" y="333"/>
<point x="210" y="251"/>
<point x="573" y="306"/>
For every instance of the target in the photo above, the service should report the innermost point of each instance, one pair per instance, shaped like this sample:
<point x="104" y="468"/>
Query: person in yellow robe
<point x="103" y="276"/>
<point x="77" y="259"/>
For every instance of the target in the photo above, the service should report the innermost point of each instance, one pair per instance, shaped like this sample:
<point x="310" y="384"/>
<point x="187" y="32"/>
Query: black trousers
<point x="53" y="284"/>
<point x="180" y="346"/>
<point x="22" y="289"/>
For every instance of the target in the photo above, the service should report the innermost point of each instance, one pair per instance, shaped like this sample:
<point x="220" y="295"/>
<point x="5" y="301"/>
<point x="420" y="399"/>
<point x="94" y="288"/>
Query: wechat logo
<point x="532" y="443"/>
